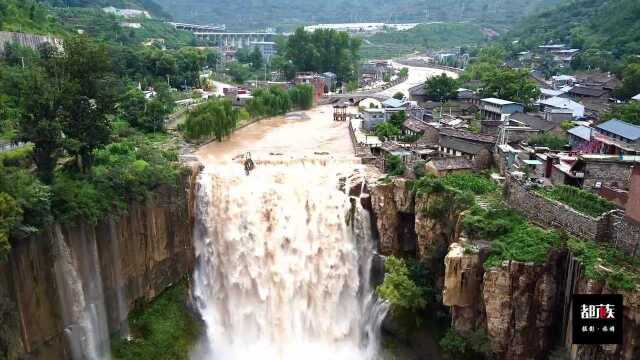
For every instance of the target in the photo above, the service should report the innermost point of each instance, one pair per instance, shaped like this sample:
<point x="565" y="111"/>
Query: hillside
<point x="426" y="36"/>
<point x="286" y="14"/>
<point x="610" y="25"/>
<point x="149" y="5"/>
<point x="27" y="16"/>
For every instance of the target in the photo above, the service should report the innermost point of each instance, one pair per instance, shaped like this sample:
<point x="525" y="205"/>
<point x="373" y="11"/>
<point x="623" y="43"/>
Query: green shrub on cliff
<point x="163" y="329"/>
<point x="603" y="261"/>
<point x="474" y="346"/>
<point x="10" y="214"/>
<point x="399" y="288"/>
<point x="578" y="199"/>
<point x="524" y="243"/>
<point x="467" y="181"/>
<point x="488" y="224"/>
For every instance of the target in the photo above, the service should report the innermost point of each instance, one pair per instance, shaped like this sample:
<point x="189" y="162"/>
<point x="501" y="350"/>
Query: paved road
<point x="417" y="75"/>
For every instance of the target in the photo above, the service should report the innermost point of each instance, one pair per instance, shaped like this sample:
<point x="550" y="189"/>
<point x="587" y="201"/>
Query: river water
<point x="284" y="255"/>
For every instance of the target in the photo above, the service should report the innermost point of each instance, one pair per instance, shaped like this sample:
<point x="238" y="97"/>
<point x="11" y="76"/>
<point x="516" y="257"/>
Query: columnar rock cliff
<point x="140" y="254"/>
<point x="521" y="306"/>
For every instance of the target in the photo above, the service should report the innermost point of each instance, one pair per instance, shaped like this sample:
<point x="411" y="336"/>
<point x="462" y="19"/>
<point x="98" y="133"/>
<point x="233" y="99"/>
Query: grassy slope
<point x="606" y="25"/>
<point x="426" y="36"/>
<point x="253" y="14"/>
<point x="164" y="329"/>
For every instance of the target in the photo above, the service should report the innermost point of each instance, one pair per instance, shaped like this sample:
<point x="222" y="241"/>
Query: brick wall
<point x="608" y="172"/>
<point x="546" y="212"/>
<point x="613" y="227"/>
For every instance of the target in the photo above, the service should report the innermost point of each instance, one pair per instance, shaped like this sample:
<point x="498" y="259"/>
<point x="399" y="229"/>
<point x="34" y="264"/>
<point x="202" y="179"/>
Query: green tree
<point x="511" y="84"/>
<point x="386" y="130"/>
<point x="627" y="112"/>
<point x="398" y="96"/>
<point x="239" y="72"/>
<point x="404" y="72"/>
<point x="441" y="88"/>
<point x="397" y="119"/>
<point x="256" y="59"/>
<point x="87" y="96"/>
<point x="630" y="81"/>
<point x="399" y="288"/>
<point x="302" y="96"/>
<point x="190" y="62"/>
<point x="324" y="51"/>
<point x="216" y="118"/>
<point x="10" y="215"/>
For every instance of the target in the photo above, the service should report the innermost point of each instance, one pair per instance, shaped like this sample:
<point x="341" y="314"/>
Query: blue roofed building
<point x="579" y="135"/>
<point x="616" y="137"/>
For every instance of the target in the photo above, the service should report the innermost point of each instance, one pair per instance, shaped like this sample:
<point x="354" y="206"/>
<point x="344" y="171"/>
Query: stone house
<point x="316" y="81"/>
<point x="371" y="117"/>
<point x="475" y="147"/>
<point x="615" y="137"/>
<point x="604" y="170"/>
<point x="447" y="165"/>
<point x="579" y="136"/>
<point x="497" y="109"/>
<point x="413" y="126"/>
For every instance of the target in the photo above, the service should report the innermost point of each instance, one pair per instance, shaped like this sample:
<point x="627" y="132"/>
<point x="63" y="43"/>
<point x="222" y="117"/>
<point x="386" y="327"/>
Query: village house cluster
<point x="471" y="132"/>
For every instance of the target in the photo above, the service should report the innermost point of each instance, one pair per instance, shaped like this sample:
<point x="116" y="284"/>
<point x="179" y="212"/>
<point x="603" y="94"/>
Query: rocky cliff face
<point x="630" y="348"/>
<point x="521" y="306"/>
<point x="140" y="254"/>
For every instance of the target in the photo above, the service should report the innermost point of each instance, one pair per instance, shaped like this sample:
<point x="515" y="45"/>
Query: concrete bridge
<point x="196" y="28"/>
<point x="353" y="98"/>
<point x="236" y="40"/>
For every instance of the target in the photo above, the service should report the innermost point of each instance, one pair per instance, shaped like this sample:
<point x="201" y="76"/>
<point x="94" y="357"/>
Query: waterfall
<point x="122" y="310"/>
<point x="81" y="296"/>
<point x="283" y="263"/>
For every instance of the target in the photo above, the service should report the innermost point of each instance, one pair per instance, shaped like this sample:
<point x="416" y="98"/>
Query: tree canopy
<point x="441" y="88"/>
<point x="324" y="51"/>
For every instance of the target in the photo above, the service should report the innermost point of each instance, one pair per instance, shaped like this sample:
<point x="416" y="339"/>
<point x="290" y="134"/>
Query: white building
<point x="561" y="103"/>
<point x="126" y="13"/>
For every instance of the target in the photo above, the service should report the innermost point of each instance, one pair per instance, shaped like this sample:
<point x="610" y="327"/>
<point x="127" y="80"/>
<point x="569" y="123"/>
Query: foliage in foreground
<point x="578" y="199"/>
<point x="406" y="288"/>
<point x="215" y="118"/>
<point x="552" y="141"/>
<point x="163" y="329"/>
<point x="605" y="262"/>
<point x="458" y="347"/>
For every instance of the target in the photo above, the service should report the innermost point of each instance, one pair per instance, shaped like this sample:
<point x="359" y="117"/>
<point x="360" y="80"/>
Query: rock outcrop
<point x="393" y="207"/>
<point x="522" y="304"/>
<point x="463" y="285"/>
<point x="630" y="348"/>
<point x="154" y="248"/>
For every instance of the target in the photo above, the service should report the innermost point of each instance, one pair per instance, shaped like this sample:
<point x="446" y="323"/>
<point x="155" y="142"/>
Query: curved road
<point x="417" y="76"/>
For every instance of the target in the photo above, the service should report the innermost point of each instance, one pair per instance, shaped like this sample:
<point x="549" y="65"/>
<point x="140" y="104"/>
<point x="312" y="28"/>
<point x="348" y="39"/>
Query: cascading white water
<point x="79" y="284"/>
<point x="283" y="262"/>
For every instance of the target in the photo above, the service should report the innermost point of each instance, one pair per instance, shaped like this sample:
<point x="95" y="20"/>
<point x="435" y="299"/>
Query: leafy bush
<point x="620" y="270"/>
<point x="10" y="215"/>
<point x="123" y="172"/>
<point x="215" y="118"/>
<point x="272" y="101"/>
<point x="399" y="288"/>
<point x="481" y="224"/>
<point x="31" y="195"/>
<point x="552" y="141"/>
<point x="467" y="181"/>
<point x="453" y="344"/>
<point x="578" y="199"/>
<point x="475" y="346"/>
<point x="163" y="329"/>
<point x="395" y="166"/>
<point x="524" y="243"/>
<point x="302" y="96"/>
